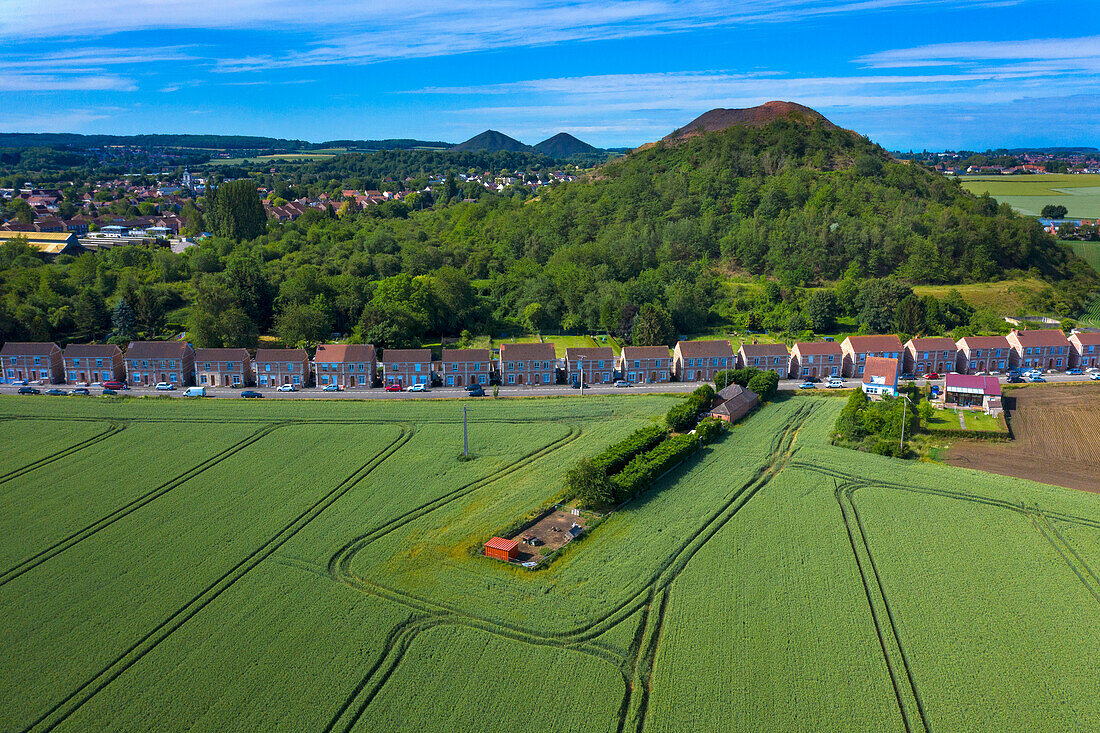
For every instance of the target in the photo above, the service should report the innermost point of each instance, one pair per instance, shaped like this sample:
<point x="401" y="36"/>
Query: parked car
<point x="834" y="383"/>
<point x="623" y="383"/>
<point x="930" y="375"/>
<point x="331" y="388"/>
<point x="28" y="390"/>
<point x="1074" y="371"/>
<point x="195" y="392"/>
<point x="908" y="375"/>
<point x="1014" y="379"/>
<point x="393" y="387"/>
<point x="81" y="391"/>
<point x="249" y="393"/>
<point x="165" y="386"/>
<point x="286" y="388"/>
<point x="473" y="386"/>
<point x="477" y="391"/>
<point x="815" y="380"/>
<point x="1036" y="378"/>
<point x="56" y="391"/>
<point x="107" y="391"/>
<point x="1092" y="370"/>
<point x="807" y="385"/>
<point x="417" y="388"/>
<point x="1095" y="376"/>
<point x="115" y="385"/>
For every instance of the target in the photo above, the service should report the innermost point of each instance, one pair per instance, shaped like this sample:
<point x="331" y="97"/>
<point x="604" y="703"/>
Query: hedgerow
<point x="617" y="455"/>
<point x="644" y="469"/>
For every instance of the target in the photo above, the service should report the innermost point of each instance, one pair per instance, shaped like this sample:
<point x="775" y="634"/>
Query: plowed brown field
<point x="1056" y="440"/>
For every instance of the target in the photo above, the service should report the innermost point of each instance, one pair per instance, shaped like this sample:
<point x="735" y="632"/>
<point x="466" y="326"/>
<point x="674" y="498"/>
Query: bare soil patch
<point x="1055" y="438"/>
<point x="547" y="534"/>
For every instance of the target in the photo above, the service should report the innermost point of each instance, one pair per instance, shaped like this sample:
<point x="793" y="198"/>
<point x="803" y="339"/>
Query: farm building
<point x="50" y="244"/>
<point x="733" y="403"/>
<point x="965" y="390"/>
<point x="880" y="377"/>
<point x="502" y="549"/>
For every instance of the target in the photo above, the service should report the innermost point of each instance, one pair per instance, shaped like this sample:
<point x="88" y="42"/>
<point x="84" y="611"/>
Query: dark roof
<point x="156" y="349"/>
<point x="735" y="401"/>
<point x="874" y="343"/>
<point x="695" y="349"/>
<point x="240" y="355"/>
<point x="589" y="353"/>
<point x="281" y="355"/>
<point x="410" y="355"/>
<point x="453" y="355"/>
<point x="645" y="352"/>
<point x="885" y="368"/>
<point x="933" y="343"/>
<point x="527" y="352"/>
<point x="29" y="348"/>
<point x="80" y="351"/>
<point x="982" y="342"/>
<point x="344" y="353"/>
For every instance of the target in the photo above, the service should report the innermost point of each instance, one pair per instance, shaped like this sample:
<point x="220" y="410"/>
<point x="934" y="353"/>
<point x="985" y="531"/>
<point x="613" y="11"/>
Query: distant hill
<point x="493" y="142"/>
<point x="200" y="142"/>
<point x="721" y="119"/>
<point x="564" y="145"/>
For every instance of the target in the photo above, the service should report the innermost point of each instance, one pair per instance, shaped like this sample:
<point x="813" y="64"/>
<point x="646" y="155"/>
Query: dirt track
<point x="1056" y="440"/>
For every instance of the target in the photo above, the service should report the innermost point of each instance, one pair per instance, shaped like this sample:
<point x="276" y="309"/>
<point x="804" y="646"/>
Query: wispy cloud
<point x="1062" y="54"/>
<point x="19" y="82"/>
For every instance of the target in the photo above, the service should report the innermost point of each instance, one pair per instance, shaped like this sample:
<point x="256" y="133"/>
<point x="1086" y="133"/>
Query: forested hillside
<point x="646" y="245"/>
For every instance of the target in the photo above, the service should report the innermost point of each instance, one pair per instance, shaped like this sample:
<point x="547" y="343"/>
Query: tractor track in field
<point x="112" y="429"/>
<point x="61" y="710"/>
<point x="889" y="634"/>
<point x="637" y="665"/>
<point x="90" y="530"/>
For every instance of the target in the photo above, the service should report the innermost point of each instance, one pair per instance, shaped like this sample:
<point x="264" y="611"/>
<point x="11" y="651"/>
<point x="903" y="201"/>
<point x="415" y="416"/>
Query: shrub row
<point x="682" y="415"/>
<point x="647" y="467"/>
<point x="617" y="455"/>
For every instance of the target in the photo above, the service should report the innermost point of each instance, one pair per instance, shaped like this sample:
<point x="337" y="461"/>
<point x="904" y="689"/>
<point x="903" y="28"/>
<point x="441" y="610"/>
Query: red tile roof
<point x="863" y="344"/>
<point x="983" y="342"/>
<point x="645" y="352"/>
<point x="499" y="543"/>
<point x="693" y="349"/>
<point x="453" y="355"/>
<point x="752" y="350"/>
<point x="1087" y="338"/>
<point x="933" y="343"/>
<point x="281" y="355"/>
<point x="815" y="348"/>
<point x="156" y="349"/>
<point x="589" y="353"/>
<point x="29" y="348"/>
<point x="527" y="352"/>
<point x="878" y="366"/>
<point x="344" y="353"/>
<point x="988" y="385"/>
<point x="240" y="355"/>
<point x="78" y="351"/>
<point x="1043" y="337"/>
<point x="407" y="355"/>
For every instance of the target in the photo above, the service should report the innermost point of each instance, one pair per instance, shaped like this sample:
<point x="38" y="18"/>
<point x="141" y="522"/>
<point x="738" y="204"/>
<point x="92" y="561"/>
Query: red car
<point x="115" y="385"/>
<point x="930" y="375"/>
<point x="393" y="387"/>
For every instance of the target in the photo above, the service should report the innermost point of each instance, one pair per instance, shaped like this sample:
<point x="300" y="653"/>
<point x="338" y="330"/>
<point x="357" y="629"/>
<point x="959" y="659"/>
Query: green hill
<point x="493" y="141"/>
<point x="564" y="145"/>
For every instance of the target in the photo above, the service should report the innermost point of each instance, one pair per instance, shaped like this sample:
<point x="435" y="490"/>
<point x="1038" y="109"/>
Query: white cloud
<point x="19" y="82"/>
<point x="63" y="121"/>
<point x="1054" y="53"/>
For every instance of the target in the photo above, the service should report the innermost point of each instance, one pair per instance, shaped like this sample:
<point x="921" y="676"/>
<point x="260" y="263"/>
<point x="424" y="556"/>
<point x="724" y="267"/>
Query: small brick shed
<point x="502" y="549"/>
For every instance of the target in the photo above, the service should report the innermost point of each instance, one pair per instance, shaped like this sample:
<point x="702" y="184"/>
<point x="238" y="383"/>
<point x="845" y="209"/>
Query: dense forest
<point x="829" y="225"/>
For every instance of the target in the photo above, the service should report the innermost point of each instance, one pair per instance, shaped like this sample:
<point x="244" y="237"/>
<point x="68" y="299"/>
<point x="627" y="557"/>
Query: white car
<point x="1092" y="370"/>
<point x="417" y="388"/>
<point x="286" y="388"/>
<point x="165" y="386"/>
<point x="1095" y="376"/>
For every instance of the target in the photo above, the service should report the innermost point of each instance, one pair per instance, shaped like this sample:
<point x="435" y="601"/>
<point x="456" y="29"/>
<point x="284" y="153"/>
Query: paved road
<point x="505" y="391"/>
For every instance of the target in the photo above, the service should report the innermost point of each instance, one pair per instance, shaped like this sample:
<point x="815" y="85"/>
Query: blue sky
<point x="907" y="73"/>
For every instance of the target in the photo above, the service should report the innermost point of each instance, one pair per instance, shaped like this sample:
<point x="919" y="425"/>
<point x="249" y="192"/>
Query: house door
<point x="1050" y="364"/>
<point x="163" y="377"/>
<point x="813" y="371"/>
<point x="981" y="366"/>
<point x="458" y="381"/>
<point x="519" y="379"/>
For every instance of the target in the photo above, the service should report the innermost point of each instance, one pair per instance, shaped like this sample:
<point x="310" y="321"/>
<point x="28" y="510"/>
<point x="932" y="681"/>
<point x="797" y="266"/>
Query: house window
<point x="417" y="368"/>
<point x="511" y="379"/>
<point x="637" y="363"/>
<point x="202" y="379"/>
<point x="297" y="379"/>
<point x="267" y="367"/>
<point x="236" y="379"/>
<point x="664" y="375"/>
<point x="37" y="361"/>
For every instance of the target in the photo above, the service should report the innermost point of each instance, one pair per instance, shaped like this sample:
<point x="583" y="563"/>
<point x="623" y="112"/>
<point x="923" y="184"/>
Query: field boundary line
<point x="112" y="429"/>
<point x="80" y="535"/>
<point x="1062" y="545"/>
<point x="61" y="710"/>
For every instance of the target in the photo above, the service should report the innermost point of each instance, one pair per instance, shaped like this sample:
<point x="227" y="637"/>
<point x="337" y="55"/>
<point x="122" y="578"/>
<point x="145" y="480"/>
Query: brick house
<point x="90" y="363"/>
<point x="597" y="363"/>
<point x="697" y="361"/>
<point x="982" y="353"/>
<point x="407" y="366"/>
<point x="880" y="376"/>
<point x="816" y="359"/>
<point x="765" y="357"/>
<point x="149" y="362"/>
<point x="528" y="364"/>
<point x="733" y="402"/>
<point x="857" y="349"/>
<point x="345" y="365"/>
<point x="32" y="361"/>
<point x="462" y="367"/>
<point x="275" y="367"/>
<point x="645" y="364"/>
<point x="223" y="368"/>
<point x="1086" y="350"/>
<point x="1039" y="349"/>
<point x="924" y="355"/>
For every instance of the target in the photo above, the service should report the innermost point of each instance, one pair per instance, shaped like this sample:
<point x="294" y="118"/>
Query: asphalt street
<point x="378" y="393"/>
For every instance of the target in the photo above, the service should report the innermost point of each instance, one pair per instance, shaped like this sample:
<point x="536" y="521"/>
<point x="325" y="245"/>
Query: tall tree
<point x="123" y="321"/>
<point x="234" y="210"/>
<point x="653" y="327"/>
<point x="250" y="288"/>
<point x="90" y="315"/>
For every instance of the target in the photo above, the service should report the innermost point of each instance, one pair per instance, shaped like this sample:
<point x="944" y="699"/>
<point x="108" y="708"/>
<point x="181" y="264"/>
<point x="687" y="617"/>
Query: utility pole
<point x="465" y="438"/>
<point x="580" y="363"/>
<point x="904" y="412"/>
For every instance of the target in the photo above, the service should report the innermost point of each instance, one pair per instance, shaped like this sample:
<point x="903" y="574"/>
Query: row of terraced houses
<point x="146" y="363"/>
